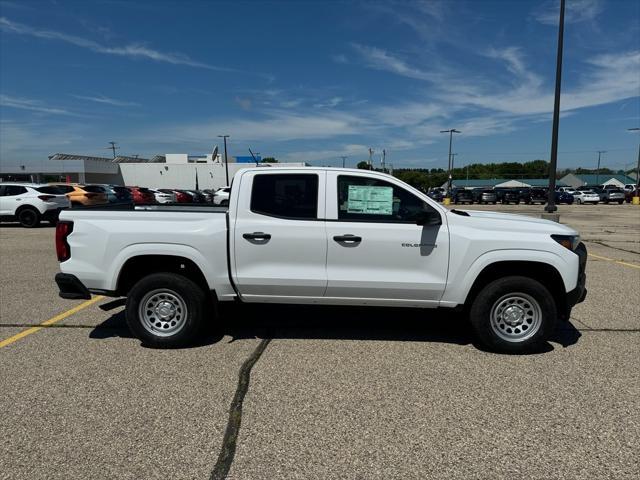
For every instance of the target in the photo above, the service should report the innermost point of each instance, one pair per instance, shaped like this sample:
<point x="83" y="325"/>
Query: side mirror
<point x="428" y="217"/>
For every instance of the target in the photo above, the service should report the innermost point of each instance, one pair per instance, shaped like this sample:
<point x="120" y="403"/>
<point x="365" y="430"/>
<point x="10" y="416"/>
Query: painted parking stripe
<point x="51" y="321"/>
<point x="626" y="264"/>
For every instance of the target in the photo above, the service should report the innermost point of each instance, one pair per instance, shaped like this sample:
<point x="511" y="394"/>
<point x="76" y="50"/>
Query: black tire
<point x="620" y="202"/>
<point x="188" y="292"/>
<point x="28" y="217"/>
<point x="492" y="295"/>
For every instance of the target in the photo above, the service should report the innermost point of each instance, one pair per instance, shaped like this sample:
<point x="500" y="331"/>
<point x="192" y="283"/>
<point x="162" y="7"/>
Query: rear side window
<point x="65" y="188"/>
<point x="11" y="190"/>
<point x="293" y="196"/>
<point x="50" y="190"/>
<point x="93" y="188"/>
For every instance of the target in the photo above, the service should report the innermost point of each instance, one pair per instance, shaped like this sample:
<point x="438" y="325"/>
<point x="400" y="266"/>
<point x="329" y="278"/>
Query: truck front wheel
<point x="165" y="310"/>
<point x="513" y="315"/>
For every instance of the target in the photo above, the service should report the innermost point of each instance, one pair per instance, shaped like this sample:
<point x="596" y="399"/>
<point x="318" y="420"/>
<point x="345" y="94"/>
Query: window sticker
<point x="370" y="200"/>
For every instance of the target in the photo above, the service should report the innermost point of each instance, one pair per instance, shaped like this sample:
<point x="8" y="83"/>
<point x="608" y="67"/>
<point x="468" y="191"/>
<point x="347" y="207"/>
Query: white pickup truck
<point x="323" y="236"/>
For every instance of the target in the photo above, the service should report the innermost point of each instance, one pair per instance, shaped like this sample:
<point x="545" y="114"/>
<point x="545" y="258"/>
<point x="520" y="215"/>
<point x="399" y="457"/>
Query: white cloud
<point x="134" y="50"/>
<point x="340" y="58"/>
<point x="354" y="152"/>
<point x="576" y="11"/>
<point x="107" y="101"/>
<point x="380" y="59"/>
<point x="245" y="103"/>
<point x="32" y="105"/>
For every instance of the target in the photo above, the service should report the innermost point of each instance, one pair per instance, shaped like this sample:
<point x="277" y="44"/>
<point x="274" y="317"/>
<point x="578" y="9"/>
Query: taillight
<point x="63" y="229"/>
<point x="46" y="198"/>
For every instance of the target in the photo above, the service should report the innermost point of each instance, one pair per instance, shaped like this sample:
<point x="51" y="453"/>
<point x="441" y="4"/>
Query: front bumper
<point x="579" y="293"/>
<point x="71" y="287"/>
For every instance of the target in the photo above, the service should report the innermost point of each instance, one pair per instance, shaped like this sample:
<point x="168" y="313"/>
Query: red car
<point x="142" y="196"/>
<point x="181" y="197"/>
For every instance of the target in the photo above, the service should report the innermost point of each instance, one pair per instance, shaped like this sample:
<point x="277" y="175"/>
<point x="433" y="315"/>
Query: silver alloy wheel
<point x="515" y="317"/>
<point x="162" y="312"/>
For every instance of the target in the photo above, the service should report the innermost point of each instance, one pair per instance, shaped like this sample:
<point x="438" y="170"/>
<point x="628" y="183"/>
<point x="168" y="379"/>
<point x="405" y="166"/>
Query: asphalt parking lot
<point x="334" y="392"/>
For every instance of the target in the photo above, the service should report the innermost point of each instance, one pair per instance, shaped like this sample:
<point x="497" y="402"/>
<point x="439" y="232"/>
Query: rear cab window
<point x="288" y="196"/>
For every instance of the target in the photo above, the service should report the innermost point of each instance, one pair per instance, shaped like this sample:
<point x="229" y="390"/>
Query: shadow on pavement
<point x="335" y="323"/>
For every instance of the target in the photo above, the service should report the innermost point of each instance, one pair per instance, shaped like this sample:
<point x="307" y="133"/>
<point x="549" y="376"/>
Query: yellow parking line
<point x="632" y="265"/>
<point x="51" y="321"/>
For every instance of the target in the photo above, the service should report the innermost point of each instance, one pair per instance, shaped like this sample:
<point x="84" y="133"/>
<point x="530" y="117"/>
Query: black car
<point x="461" y="196"/>
<point x="508" y="195"/>
<point x="564" y="197"/>
<point x="435" y="195"/>
<point x="533" y="195"/>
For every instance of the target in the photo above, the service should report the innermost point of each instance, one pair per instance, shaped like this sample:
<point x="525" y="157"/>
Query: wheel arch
<point x="545" y="273"/>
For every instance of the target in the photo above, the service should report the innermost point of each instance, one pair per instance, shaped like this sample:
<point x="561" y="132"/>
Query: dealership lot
<point x="337" y="392"/>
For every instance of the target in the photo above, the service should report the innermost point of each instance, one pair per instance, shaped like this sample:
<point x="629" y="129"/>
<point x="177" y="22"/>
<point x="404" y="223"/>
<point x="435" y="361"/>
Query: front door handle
<point x="257" y="236"/>
<point x="348" y="238"/>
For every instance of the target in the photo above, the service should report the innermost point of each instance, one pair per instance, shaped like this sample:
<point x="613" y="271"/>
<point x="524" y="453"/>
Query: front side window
<point x="373" y="200"/>
<point x="293" y="196"/>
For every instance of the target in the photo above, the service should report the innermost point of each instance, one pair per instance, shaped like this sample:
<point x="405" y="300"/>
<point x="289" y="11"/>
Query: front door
<point x="376" y="252"/>
<point x="280" y="243"/>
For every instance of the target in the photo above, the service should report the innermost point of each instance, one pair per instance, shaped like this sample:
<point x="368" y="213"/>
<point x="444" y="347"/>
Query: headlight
<point x="568" y="241"/>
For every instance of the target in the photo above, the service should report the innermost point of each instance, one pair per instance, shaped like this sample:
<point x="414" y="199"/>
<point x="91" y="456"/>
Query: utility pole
<point x="113" y="148"/>
<point x="600" y="152"/>
<point x="344" y="159"/>
<point x="384" y="156"/>
<point x="226" y="159"/>
<point x="553" y="164"/>
<point x="370" y="155"/>
<point x="450" y="132"/>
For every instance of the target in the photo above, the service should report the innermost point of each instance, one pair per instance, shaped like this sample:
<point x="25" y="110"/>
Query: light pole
<point x="553" y="161"/>
<point x="450" y="132"/>
<point x="344" y="159"/>
<point x="600" y="152"/>
<point x="226" y="159"/>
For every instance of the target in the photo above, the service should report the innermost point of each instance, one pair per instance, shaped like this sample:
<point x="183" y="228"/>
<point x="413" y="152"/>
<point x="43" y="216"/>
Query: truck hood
<point x="515" y="222"/>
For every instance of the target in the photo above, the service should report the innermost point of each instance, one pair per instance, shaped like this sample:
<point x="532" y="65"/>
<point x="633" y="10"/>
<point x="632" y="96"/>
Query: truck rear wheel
<point x="165" y="310"/>
<point x="513" y="315"/>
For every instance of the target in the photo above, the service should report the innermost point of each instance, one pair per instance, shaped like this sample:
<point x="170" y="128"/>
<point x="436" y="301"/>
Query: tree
<point x="363" y="165"/>
<point x="269" y="160"/>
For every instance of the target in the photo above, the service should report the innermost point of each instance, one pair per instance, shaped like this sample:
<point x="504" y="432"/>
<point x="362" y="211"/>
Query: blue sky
<point x="312" y="81"/>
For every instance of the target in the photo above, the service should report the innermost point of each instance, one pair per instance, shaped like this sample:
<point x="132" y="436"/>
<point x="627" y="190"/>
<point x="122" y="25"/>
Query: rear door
<point x="279" y="240"/>
<point x="377" y="254"/>
<point x="12" y="197"/>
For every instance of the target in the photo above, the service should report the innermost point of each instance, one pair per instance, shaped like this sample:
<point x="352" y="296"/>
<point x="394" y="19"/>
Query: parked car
<point x="163" y="197"/>
<point x="435" y="195"/>
<point x="629" y="194"/>
<point x="533" y="195"/>
<point x="142" y="195"/>
<point x="586" y="195"/>
<point x="570" y="190"/>
<point x="461" y="195"/>
<point x="484" y="195"/>
<point x="507" y="196"/>
<point x="29" y="203"/>
<point x="115" y="193"/>
<point x="564" y="197"/>
<point x="629" y="187"/>
<point x="516" y="276"/>
<point x="179" y="195"/>
<point x="197" y="196"/>
<point x="208" y="194"/>
<point x="79" y="196"/>
<point x="610" y="195"/>
<point x="221" y="197"/>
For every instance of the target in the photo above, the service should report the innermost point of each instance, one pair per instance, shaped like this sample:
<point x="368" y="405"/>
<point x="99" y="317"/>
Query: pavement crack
<point x="228" y="449"/>
<point x="611" y="246"/>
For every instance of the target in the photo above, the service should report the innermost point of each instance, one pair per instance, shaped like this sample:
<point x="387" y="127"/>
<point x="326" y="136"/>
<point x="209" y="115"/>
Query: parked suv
<point x="221" y="197"/>
<point x="610" y="194"/>
<point x="508" y="195"/>
<point x="142" y="195"/>
<point x="483" y="195"/>
<point x="461" y="195"/>
<point x="533" y="195"/>
<point x="80" y="196"/>
<point x="28" y="203"/>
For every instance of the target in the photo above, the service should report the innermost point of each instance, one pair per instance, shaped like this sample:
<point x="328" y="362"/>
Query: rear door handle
<point x="257" y="236"/>
<point x="348" y="238"/>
